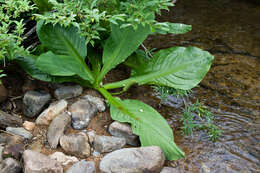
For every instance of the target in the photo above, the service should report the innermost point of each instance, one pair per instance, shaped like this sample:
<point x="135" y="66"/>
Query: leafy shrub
<point x="105" y="34"/>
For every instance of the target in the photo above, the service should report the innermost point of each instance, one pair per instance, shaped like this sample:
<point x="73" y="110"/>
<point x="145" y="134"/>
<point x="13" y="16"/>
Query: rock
<point x="10" y="165"/>
<point x="123" y="130"/>
<point x="51" y="112"/>
<point x="35" y="162"/>
<point x="7" y="120"/>
<point x="76" y="144"/>
<point x="28" y="125"/>
<point x="1" y="151"/>
<point x="63" y="159"/>
<point x="82" y="112"/>
<point x="91" y="136"/>
<point x="13" y="150"/>
<point x="170" y="170"/>
<point x="133" y="160"/>
<point x="82" y="167"/>
<point x="99" y="102"/>
<point x="67" y="92"/>
<point x="104" y="144"/>
<point x="3" y="93"/>
<point x="34" y="102"/>
<point x="19" y="131"/>
<point x="57" y="127"/>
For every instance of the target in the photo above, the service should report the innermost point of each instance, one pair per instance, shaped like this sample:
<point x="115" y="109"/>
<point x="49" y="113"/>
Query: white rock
<point x="63" y="159"/>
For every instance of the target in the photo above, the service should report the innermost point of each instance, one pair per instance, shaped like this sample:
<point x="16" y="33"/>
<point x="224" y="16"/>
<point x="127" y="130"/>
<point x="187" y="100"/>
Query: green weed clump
<point x="82" y="40"/>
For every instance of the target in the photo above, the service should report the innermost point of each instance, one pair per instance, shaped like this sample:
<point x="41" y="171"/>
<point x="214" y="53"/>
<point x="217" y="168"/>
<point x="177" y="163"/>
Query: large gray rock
<point x="133" y="160"/>
<point x="57" y="127"/>
<point x="19" y="131"/>
<point x="10" y="165"/>
<point x="35" y="162"/>
<point x="123" y="130"/>
<point x="76" y="144"/>
<point x="104" y="144"/>
<point x="82" y="167"/>
<point x="170" y="170"/>
<point x="99" y="102"/>
<point x="63" y="159"/>
<point x="67" y="92"/>
<point x="51" y="112"/>
<point x="34" y="102"/>
<point x="82" y="112"/>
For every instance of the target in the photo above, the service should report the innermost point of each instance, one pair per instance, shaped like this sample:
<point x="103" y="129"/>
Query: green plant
<point x="65" y="32"/>
<point x="197" y="117"/>
<point x="12" y="27"/>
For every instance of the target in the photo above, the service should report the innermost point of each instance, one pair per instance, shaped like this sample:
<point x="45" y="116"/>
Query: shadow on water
<point x="229" y="29"/>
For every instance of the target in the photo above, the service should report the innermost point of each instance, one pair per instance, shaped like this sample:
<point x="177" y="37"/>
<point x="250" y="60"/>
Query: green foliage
<point x="12" y="27"/>
<point x="197" y="117"/>
<point x="93" y="17"/>
<point x="164" y="92"/>
<point x="115" y="29"/>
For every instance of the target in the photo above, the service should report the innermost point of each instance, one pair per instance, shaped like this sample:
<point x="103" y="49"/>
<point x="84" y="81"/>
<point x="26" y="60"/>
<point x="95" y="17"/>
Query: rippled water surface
<point x="229" y="29"/>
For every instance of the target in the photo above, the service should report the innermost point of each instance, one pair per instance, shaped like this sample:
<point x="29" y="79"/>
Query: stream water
<point x="229" y="29"/>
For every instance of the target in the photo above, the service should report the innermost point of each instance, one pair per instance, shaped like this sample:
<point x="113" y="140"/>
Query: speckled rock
<point x="63" y="159"/>
<point x="67" y="92"/>
<point x="133" y="160"/>
<point x="82" y="112"/>
<point x="170" y="170"/>
<point x="35" y="162"/>
<point x="76" y="144"/>
<point x="57" y="127"/>
<point x="123" y="130"/>
<point x="10" y="165"/>
<point x="105" y="144"/>
<point x="34" y="102"/>
<point x="51" y="112"/>
<point x="99" y="102"/>
<point x="82" y="167"/>
<point x="19" y="131"/>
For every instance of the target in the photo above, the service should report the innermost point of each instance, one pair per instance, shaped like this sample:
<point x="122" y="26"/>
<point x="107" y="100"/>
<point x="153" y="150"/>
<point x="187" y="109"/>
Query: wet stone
<point x="123" y="130"/>
<point x="57" y="127"/>
<point x="63" y="159"/>
<point x="99" y="102"/>
<point x="35" y="162"/>
<point x="76" y="144"/>
<point x="170" y="170"/>
<point x="34" y="102"/>
<point x="133" y="160"/>
<point x="105" y="144"/>
<point x="82" y="112"/>
<point x="83" y="167"/>
<point x="19" y="131"/>
<point x="10" y="165"/>
<point x="51" y="112"/>
<point x="67" y="92"/>
<point x="9" y="120"/>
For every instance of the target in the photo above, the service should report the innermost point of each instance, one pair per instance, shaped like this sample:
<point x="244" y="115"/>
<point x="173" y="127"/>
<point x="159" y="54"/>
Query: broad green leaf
<point x="173" y="28"/>
<point x="65" y="43"/>
<point x="149" y="125"/>
<point x="61" y="65"/>
<point x="43" y="5"/>
<point x="177" y="67"/>
<point x="121" y="43"/>
<point x="27" y="62"/>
